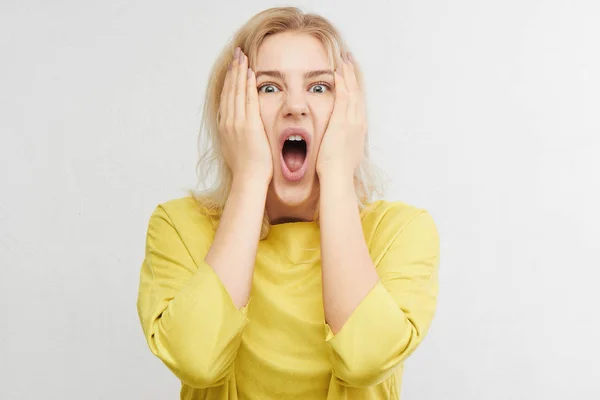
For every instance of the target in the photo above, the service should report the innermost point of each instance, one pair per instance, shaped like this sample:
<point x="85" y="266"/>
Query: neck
<point x="280" y="213"/>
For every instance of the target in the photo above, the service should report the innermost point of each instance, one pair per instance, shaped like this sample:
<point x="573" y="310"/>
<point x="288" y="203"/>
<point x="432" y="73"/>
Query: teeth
<point x="294" y="138"/>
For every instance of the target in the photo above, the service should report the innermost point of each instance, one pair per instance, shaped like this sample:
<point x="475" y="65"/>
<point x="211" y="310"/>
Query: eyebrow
<point x="307" y="75"/>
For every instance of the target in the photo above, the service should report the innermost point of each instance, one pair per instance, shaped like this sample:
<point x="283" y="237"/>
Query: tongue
<point x="293" y="158"/>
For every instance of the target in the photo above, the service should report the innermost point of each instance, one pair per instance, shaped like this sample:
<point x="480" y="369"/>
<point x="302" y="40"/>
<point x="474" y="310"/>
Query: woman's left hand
<point x="342" y="146"/>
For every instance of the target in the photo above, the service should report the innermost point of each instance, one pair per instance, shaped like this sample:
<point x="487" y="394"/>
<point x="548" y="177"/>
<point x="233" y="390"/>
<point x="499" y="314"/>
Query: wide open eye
<point x="323" y="87"/>
<point x="272" y="88"/>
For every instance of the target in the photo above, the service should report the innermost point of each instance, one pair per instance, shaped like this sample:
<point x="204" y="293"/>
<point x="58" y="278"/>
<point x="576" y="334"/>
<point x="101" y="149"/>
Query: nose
<point x="295" y="104"/>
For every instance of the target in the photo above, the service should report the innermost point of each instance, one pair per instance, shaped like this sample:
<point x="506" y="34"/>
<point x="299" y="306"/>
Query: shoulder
<point x="186" y="215"/>
<point x="385" y="220"/>
<point x="393" y="214"/>
<point x="181" y="227"/>
<point x="183" y="208"/>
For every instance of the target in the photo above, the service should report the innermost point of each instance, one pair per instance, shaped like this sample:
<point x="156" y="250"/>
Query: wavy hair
<point x="214" y="175"/>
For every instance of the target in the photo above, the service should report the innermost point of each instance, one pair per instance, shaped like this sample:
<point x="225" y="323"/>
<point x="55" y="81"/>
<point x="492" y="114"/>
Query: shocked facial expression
<point x="296" y="95"/>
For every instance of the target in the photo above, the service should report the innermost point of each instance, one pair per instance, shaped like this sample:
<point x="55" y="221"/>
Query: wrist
<point x="252" y="178"/>
<point x="250" y="183"/>
<point x="336" y="176"/>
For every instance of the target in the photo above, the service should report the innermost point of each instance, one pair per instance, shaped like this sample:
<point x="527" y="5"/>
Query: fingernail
<point x="350" y="57"/>
<point x="249" y="73"/>
<point x="230" y="66"/>
<point x="344" y="57"/>
<point x="237" y="53"/>
<point x="242" y="58"/>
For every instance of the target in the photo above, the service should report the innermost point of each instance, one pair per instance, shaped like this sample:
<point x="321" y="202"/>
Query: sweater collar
<point x="299" y="242"/>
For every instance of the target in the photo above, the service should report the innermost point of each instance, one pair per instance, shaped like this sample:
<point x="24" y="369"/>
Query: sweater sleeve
<point x="391" y="321"/>
<point x="188" y="318"/>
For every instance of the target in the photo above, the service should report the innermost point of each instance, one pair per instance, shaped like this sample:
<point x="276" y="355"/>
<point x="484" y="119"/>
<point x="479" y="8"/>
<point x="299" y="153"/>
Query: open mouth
<point x="293" y="157"/>
<point x="294" y="152"/>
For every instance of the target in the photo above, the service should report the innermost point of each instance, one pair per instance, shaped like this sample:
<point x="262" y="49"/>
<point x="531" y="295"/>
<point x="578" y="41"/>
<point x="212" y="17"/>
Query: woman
<point x="285" y="281"/>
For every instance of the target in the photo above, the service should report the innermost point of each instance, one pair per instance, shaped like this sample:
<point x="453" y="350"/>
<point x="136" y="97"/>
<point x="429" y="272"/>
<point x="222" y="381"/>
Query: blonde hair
<point x="249" y="37"/>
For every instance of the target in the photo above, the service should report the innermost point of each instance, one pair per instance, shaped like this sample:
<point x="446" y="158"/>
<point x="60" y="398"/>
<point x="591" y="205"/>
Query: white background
<point x="484" y="113"/>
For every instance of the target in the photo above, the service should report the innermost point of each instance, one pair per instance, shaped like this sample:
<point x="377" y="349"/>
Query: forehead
<point x="291" y="51"/>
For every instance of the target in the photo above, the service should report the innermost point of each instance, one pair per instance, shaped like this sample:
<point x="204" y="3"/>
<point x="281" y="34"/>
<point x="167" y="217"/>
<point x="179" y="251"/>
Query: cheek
<point x="267" y="109"/>
<point x="322" y="110"/>
<point x="268" y="114"/>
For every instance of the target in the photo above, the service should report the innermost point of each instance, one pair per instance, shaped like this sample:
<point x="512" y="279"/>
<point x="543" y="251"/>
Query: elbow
<point x="371" y="366"/>
<point x="198" y="376"/>
<point x="366" y="372"/>
<point x="199" y="371"/>
<point x="360" y="377"/>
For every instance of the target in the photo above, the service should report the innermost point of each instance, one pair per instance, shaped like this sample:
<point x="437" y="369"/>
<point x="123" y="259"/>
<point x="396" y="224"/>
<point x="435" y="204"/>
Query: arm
<point x="236" y="239"/>
<point x="374" y="323"/>
<point x="348" y="271"/>
<point x="190" y="312"/>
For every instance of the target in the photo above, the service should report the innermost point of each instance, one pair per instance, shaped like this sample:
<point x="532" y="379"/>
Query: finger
<point x="224" y="94"/>
<point x="240" y="93"/>
<point x="354" y="95"/>
<point x="341" y="96"/>
<point x="350" y="75"/>
<point x="252" y="106"/>
<point x="233" y="86"/>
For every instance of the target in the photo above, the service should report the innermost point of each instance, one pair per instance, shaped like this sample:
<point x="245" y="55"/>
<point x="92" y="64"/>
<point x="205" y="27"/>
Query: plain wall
<point x="484" y="113"/>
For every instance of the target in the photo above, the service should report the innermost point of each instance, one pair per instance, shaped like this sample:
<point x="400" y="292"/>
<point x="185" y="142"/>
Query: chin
<point x="292" y="194"/>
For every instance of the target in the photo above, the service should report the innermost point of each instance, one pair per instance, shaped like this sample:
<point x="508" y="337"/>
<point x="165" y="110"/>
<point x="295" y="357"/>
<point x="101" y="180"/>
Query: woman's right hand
<point x="244" y="142"/>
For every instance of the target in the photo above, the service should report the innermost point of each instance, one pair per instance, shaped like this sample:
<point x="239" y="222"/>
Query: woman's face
<point x="295" y="90"/>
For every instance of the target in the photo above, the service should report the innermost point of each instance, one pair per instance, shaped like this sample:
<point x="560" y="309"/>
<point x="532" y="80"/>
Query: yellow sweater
<point x="279" y="346"/>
